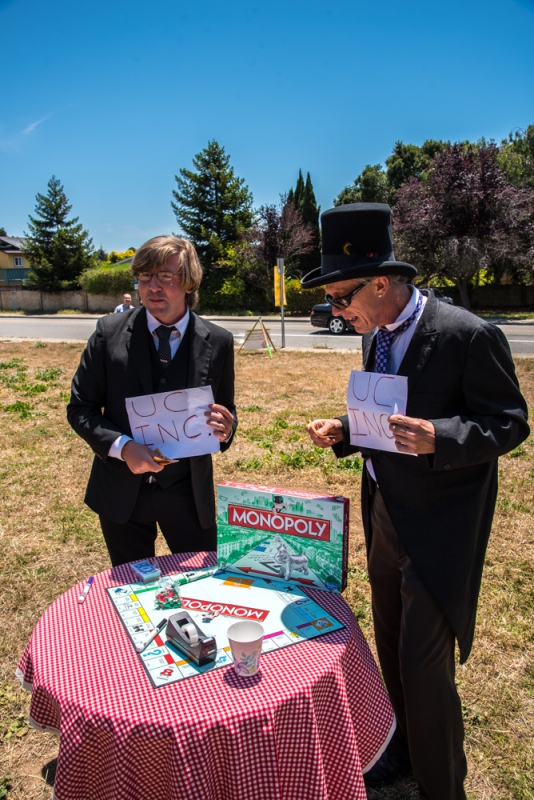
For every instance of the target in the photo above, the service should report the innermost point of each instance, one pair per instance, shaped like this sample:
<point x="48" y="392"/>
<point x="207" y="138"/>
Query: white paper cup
<point x="245" y="642"/>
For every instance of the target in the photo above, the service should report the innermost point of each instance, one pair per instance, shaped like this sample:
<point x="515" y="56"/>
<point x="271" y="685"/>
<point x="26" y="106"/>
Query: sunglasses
<point x="346" y="300"/>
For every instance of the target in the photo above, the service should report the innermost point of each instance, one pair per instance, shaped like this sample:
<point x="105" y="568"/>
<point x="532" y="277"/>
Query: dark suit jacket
<point x="116" y="364"/>
<point x="461" y="377"/>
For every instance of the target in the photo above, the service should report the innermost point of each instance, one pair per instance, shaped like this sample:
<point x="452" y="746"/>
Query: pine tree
<point x="212" y="205"/>
<point x="58" y="249"/>
<point x="303" y="199"/>
<point x="299" y="191"/>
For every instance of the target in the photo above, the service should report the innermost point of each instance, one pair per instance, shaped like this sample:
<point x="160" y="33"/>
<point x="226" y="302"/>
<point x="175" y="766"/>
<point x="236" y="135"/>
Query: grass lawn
<point x="50" y="540"/>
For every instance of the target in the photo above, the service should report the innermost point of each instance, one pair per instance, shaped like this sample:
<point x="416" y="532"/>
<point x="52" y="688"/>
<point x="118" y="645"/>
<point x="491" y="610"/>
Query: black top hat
<point x="357" y="243"/>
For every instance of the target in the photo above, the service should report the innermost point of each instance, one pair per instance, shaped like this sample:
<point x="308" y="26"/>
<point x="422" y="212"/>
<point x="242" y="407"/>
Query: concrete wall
<point x="48" y="303"/>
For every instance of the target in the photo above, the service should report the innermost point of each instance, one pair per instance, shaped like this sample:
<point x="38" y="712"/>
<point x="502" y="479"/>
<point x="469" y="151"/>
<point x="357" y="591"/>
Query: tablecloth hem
<point x="383" y="749"/>
<point x="24" y="683"/>
<point x="43" y="728"/>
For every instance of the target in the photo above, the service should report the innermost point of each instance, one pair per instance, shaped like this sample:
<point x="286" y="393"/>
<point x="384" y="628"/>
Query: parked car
<point x="321" y="317"/>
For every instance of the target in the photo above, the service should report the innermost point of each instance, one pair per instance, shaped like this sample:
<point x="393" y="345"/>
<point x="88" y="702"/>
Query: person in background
<point x="161" y="346"/>
<point x="126" y="304"/>
<point x="427" y="509"/>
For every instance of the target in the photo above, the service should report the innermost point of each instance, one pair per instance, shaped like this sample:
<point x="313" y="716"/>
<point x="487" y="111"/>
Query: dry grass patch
<point x="50" y="541"/>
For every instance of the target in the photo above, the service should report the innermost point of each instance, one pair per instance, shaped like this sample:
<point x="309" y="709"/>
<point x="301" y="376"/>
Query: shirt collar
<point x="407" y="311"/>
<point x="181" y="325"/>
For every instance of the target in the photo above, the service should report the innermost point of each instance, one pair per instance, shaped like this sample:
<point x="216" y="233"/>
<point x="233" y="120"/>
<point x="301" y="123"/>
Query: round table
<point x="305" y="728"/>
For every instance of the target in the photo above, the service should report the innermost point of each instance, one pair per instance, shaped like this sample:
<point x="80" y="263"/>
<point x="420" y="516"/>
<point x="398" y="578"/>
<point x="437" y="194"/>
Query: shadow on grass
<point x="48" y="772"/>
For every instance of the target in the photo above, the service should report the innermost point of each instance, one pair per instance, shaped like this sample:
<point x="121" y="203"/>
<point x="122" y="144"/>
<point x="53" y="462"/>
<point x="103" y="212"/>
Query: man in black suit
<point x="159" y="347"/>
<point x="426" y="519"/>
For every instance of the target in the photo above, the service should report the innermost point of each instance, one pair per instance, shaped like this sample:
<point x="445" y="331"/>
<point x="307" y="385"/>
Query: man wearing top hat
<point x="426" y="519"/>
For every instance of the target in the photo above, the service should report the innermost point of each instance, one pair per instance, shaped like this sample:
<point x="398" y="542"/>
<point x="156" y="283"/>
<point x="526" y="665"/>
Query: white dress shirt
<point x="174" y="340"/>
<point x="400" y="343"/>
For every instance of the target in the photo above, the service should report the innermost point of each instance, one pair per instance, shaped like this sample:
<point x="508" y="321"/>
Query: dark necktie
<point x="164" y="350"/>
<point x="384" y="339"/>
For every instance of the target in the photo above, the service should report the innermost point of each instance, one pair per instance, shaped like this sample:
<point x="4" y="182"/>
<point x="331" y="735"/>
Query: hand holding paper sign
<point x="372" y="398"/>
<point x="221" y="420"/>
<point x="413" y="436"/>
<point x="175" y="422"/>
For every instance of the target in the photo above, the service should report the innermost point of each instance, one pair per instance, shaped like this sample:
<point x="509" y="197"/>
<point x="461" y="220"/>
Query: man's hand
<point x="139" y="458"/>
<point x="220" y="420"/>
<point x="325" y="432"/>
<point x="413" y="435"/>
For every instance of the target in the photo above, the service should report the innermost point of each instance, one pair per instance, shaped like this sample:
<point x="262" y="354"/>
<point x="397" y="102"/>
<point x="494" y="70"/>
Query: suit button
<point x="446" y="466"/>
<point x="163" y="380"/>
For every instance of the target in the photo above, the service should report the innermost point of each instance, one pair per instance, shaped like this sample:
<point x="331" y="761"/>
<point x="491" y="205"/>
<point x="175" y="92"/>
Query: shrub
<point x="112" y="282"/>
<point x="299" y="300"/>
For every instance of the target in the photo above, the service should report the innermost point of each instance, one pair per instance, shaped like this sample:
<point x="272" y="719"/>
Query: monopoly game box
<point x="283" y="534"/>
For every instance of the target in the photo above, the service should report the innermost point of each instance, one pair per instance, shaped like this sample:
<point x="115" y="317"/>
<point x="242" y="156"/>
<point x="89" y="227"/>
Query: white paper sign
<point x="371" y="398"/>
<point x="174" y="422"/>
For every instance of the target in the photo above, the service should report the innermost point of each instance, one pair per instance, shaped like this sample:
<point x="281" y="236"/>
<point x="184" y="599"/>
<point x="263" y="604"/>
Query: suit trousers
<point x="415" y="645"/>
<point x="173" y="509"/>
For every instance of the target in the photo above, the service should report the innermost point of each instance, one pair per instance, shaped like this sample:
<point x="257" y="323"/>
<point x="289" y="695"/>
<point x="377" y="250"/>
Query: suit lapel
<point x="199" y="353"/>
<point x="421" y="346"/>
<point x="368" y="351"/>
<point x="137" y="346"/>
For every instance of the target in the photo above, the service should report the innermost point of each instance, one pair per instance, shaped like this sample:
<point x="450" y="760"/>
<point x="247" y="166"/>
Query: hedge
<point x="107" y="281"/>
<point x="299" y="300"/>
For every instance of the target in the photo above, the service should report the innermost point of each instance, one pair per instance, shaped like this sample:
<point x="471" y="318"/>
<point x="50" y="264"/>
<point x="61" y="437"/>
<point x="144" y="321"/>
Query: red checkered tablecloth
<point x="304" y="728"/>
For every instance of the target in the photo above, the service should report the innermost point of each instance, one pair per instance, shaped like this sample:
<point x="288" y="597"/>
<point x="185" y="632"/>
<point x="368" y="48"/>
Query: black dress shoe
<point x="387" y="769"/>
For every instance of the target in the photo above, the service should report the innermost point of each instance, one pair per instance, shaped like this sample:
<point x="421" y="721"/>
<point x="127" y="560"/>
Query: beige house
<point x="14" y="266"/>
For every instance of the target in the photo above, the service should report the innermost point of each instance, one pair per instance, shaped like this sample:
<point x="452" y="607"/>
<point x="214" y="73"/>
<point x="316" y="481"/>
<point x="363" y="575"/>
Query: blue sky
<point x="114" y="97"/>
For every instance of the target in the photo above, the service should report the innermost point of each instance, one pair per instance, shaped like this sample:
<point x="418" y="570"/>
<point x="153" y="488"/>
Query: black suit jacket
<point x="116" y="364"/>
<point x="461" y="377"/>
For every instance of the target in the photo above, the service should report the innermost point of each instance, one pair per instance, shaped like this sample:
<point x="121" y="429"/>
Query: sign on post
<point x="279" y="279"/>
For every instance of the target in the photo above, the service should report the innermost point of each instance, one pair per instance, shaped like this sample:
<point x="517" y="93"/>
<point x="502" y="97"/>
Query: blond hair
<point x="156" y="251"/>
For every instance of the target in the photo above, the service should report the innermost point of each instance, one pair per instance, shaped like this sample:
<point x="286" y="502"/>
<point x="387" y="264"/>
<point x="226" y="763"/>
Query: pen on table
<point x="152" y="635"/>
<point x="86" y="589"/>
<point x="189" y="577"/>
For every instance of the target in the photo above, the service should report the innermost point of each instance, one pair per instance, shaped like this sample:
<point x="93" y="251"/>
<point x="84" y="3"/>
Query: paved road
<point x="299" y="332"/>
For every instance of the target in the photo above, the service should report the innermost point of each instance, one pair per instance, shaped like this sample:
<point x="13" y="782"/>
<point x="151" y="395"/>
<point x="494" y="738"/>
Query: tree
<point x="245" y="275"/>
<point x="296" y="199"/>
<point x="516" y="158"/>
<point x="115" y="256"/>
<point x="212" y="205"/>
<point x="410" y="161"/>
<point x="58" y="249"/>
<point x="464" y="218"/>
<point x="371" y="186"/>
<point x="100" y="254"/>
<point x="3" y="231"/>
<point x="302" y="199"/>
<point x="376" y="185"/>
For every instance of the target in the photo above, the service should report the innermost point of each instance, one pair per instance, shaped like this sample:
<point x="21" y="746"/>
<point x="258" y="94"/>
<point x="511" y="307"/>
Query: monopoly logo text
<point x="318" y="529"/>
<point x="224" y="609"/>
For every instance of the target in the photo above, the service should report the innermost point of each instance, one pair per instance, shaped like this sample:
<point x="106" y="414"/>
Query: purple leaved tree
<point x="464" y="217"/>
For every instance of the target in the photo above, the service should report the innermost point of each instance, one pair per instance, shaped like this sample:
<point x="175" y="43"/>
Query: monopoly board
<point x="291" y="535"/>
<point x="288" y="616"/>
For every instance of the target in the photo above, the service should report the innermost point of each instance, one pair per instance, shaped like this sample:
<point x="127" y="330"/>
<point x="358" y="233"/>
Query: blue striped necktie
<point x="384" y="339"/>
